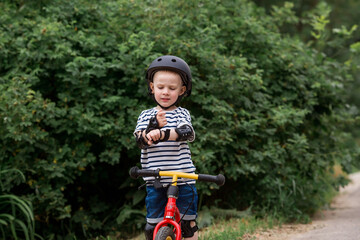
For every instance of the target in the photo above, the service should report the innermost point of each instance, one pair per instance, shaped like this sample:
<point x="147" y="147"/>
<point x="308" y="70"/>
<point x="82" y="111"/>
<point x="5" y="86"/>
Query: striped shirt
<point x="169" y="155"/>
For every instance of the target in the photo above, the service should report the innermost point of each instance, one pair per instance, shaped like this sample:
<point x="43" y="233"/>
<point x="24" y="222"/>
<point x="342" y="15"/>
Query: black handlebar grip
<point x="219" y="179"/>
<point x="135" y="172"/>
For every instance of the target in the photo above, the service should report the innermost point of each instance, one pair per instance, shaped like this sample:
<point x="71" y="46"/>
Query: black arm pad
<point x="166" y="135"/>
<point x="140" y="141"/>
<point x="153" y="124"/>
<point x="185" y="133"/>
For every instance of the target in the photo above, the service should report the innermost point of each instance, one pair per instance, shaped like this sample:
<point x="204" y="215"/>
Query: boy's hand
<point x="153" y="136"/>
<point x="161" y="118"/>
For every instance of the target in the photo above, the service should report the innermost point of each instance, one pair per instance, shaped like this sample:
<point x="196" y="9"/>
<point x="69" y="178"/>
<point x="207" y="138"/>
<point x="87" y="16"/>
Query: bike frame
<point x="172" y="214"/>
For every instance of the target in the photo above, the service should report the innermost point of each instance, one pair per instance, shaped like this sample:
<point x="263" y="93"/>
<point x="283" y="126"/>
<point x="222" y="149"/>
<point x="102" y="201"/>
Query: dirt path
<point x="342" y="222"/>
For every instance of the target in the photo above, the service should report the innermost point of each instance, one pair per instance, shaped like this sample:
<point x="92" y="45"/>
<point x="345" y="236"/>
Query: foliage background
<point x="270" y="108"/>
<point x="340" y="36"/>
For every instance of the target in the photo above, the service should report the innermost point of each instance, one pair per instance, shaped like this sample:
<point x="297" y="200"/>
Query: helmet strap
<point x="166" y="108"/>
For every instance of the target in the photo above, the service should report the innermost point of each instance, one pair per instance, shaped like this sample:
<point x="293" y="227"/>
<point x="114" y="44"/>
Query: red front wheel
<point x="165" y="233"/>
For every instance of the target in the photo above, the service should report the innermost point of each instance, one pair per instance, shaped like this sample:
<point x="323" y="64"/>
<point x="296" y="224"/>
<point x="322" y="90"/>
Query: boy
<point x="162" y="134"/>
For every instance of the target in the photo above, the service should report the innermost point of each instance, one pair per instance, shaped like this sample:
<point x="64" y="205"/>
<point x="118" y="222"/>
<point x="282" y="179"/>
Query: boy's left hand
<point x="161" y="118"/>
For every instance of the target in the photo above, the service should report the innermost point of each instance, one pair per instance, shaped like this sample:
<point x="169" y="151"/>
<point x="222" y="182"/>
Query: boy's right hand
<point x="153" y="136"/>
<point x="161" y="118"/>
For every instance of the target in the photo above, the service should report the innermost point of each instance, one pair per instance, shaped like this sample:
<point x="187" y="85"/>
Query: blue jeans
<point x="156" y="201"/>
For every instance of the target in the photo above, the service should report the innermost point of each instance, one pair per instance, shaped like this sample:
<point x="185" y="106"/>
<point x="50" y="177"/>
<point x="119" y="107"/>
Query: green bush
<point x="268" y="110"/>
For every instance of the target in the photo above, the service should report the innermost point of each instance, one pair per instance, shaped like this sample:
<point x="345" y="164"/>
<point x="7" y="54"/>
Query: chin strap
<point x="166" y="108"/>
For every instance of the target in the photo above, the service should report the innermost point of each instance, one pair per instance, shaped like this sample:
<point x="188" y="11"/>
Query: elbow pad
<point x="140" y="141"/>
<point x="185" y="133"/>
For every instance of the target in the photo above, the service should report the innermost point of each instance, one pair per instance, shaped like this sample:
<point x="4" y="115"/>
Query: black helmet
<point x="171" y="63"/>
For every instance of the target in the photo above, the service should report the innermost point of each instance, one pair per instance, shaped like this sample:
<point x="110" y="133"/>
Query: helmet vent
<point x="159" y="59"/>
<point x="173" y="60"/>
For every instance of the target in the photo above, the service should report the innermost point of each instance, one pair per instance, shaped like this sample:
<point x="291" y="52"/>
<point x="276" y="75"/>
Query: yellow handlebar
<point x="135" y="172"/>
<point x="176" y="175"/>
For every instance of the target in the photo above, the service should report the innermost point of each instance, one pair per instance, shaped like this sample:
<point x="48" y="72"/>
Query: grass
<point x="16" y="214"/>
<point x="236" y="228"/>
<point x="233" y="228"/>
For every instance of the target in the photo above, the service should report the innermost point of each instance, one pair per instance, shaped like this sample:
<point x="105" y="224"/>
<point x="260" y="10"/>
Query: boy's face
<point x="167" y="87"/>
